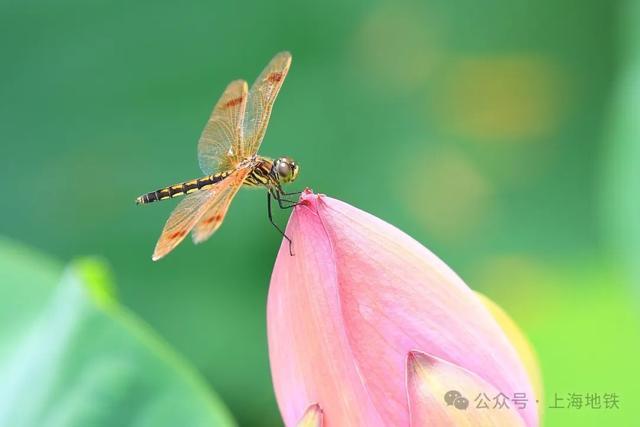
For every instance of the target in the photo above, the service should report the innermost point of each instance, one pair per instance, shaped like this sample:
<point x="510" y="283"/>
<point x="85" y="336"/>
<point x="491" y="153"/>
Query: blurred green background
<point x="504" y="135"/>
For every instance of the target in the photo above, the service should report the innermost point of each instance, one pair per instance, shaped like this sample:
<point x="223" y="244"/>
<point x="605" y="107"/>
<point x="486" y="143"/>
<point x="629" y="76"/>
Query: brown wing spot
<point x="274" y="77"/>
<point x="177" y="234"/>
<point x="215" y="218"/>
<point x="233" y="102"/>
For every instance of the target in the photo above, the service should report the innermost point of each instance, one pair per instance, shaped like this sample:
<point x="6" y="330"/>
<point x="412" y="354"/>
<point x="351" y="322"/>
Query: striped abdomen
<point x="180" y="189"/>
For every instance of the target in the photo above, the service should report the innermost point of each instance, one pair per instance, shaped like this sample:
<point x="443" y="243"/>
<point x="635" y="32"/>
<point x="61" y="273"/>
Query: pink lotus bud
<point x="368" y="325"/>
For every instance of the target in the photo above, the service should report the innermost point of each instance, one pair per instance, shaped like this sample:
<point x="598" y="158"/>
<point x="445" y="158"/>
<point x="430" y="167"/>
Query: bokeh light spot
<point x="449" y="195"/>
<point x="503" y="98"/>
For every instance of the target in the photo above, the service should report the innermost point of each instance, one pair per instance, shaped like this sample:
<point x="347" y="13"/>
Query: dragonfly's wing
<point x="213" y="217"/>
<point x="219" y="144"/>
<point x="192" y="208"/>
<point x="261" y="97"/>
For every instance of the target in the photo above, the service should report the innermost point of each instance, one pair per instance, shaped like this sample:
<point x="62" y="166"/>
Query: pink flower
<point x="368" y="328"/>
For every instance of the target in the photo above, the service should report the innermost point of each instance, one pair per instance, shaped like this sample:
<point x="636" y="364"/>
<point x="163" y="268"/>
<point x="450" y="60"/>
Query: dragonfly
<point x="227" y="155"/>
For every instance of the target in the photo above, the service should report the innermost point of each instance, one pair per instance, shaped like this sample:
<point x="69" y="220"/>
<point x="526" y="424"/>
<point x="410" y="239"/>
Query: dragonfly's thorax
<point x="272" y="173"/>
<point x="261" y="174"/>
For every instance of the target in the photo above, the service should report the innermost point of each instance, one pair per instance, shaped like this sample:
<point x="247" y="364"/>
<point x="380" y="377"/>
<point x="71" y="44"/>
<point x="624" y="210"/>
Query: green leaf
<point x="71" y="356"/>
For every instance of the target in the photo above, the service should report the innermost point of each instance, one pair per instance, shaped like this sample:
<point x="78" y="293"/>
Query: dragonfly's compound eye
<point x="284" y="169"/>
<point x="287" y="169"/>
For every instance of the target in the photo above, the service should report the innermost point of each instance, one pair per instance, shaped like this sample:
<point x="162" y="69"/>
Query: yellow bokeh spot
<point x="448" y="195"/>
<point x="506" y="98"/>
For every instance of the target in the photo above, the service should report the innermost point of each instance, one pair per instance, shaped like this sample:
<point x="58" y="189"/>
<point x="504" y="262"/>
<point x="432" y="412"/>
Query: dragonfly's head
<point x="285" y="169"/>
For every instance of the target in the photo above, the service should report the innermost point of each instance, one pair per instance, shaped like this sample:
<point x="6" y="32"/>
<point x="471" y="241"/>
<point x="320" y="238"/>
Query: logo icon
<point x="455" y="398"/>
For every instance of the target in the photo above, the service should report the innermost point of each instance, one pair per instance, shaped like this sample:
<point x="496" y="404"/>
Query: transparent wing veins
<point x="221" y="139"/>
<point x="260" y="101"/>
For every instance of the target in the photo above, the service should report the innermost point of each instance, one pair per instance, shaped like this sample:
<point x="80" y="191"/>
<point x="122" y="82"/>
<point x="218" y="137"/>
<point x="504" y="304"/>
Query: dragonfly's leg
<point x="295" y="193"/>
<point x="276" y="225"/>
<point x="277" y="194"/>
<point x="292" y="204"/>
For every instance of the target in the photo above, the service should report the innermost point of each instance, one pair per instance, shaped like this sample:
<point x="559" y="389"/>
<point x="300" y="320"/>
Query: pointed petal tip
<point x="419" y="363"/>
<point x="440" y="393"/>
<point x="416" y="359"/>
<point x="412" y="359"/>
<point x="310" y="199"/>
<point x="413" y="356"/>
<point x="312" y="417"/>
<point x="308" y="196"/>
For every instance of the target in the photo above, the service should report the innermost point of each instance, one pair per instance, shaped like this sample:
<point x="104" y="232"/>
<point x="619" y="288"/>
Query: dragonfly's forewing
<point x="220" y="143"/>
<point x="262" y="95"/>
